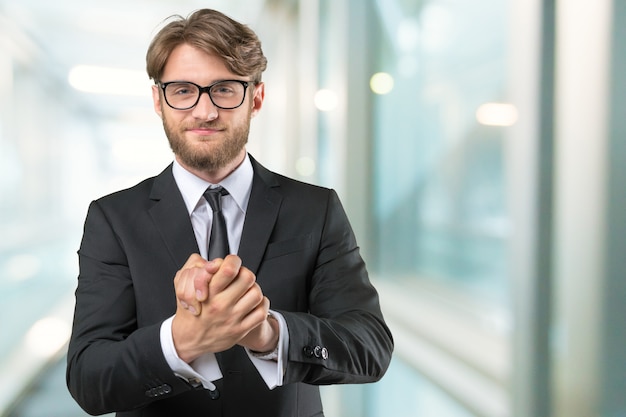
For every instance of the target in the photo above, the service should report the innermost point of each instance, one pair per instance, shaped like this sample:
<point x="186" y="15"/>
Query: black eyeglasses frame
<point x="207" y="90"/>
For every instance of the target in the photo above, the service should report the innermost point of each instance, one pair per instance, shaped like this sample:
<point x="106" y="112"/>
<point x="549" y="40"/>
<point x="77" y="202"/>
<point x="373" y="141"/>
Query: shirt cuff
<point x="205" y="368"/>
<point x="271" y="371"/>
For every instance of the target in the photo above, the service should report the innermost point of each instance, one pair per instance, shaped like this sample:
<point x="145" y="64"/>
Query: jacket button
<point x="215" y="394"/>
<point x="308" y="351"/>
<point x="317" y="351"/>
<point x="158" y="391"/>
<point x="320" y="352"/>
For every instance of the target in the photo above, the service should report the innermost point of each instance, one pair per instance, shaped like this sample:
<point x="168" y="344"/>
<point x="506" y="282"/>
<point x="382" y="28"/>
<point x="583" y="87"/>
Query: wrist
<point x="271" y="346"/>
<point x="185" y="351"/>
<point x="272" y="355"/>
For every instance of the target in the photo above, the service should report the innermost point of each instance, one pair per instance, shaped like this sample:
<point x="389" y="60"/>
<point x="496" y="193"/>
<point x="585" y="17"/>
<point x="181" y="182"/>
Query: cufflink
<point x="194" y="382"/>
<point x="197" y="384"/>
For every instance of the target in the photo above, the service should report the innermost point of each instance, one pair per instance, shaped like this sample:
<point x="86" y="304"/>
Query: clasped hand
<point x="219" y="305"/>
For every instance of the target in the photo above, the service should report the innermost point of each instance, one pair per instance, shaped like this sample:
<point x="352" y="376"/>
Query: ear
<point x="257" y="99"/>
<point x="156" y="99"/>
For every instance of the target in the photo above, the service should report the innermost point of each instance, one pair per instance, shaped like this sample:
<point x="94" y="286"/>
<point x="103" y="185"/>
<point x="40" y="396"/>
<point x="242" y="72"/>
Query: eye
<point x="182" y="89"/>
<point x="224" y="89"/>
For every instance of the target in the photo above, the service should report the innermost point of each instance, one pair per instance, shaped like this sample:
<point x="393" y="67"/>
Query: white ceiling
<point x="112" y="33"/>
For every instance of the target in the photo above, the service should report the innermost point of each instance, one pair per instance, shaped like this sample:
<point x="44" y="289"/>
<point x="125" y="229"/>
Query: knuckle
<point x="180" y="292"/>
<point x="177" y="277"/>
<point x="258" y="294"/>
<point x="214" y="308"/>
<point x="199" y="279"/>
<point x="228" y="270"/>
<point x="249" y="279"/>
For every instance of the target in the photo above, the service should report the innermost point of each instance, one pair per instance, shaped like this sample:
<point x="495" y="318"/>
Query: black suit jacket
<point x="296" y="238"/>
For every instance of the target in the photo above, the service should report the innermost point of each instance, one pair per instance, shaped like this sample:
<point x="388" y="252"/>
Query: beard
<point x="217" y="153"/>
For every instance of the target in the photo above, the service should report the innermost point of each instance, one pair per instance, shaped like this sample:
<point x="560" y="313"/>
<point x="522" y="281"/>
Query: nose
<point x="205" y="109"/>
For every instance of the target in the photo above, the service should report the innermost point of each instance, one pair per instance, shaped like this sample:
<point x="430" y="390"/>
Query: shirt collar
<point x="238" y="184"/>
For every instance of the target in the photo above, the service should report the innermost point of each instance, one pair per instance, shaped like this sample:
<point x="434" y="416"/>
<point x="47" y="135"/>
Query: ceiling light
<point x="381" y="83"/>
<point x="497" y="114"/>
<point x="47" y="336"/>
<point x="111" y="81"/>
<point x="326" y="100"/>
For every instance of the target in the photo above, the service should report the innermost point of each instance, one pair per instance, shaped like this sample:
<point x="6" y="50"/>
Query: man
<point x="163" y="327"/>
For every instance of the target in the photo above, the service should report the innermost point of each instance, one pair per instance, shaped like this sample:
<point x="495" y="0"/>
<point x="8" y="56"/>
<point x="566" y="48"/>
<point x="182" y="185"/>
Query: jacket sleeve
<point x="343" y="337"/>
<point x="112" y="364"/>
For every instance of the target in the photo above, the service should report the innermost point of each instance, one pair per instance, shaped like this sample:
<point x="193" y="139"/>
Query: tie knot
<point x="212" y="196"/>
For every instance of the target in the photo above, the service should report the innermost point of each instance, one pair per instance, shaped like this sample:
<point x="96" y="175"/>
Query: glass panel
<point x="37" y="252"/>
<point x="407" y="393"/>
<point x="439" y="171"/>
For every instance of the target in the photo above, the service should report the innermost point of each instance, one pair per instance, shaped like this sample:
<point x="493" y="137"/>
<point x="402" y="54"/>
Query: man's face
<point x="205" y="137"/>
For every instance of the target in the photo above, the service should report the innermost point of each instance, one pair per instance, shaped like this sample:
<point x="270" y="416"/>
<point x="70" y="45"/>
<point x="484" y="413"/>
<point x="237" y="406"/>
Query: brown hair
<point x="214" y="33"/>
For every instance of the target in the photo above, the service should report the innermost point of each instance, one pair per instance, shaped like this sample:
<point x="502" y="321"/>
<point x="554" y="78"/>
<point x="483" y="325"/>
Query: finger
<point x="185" y="287"/>
<point x="236" y="301"/>
<point x="256" y="312"/>
<point x="251" y="300"/>
<point x="195" y="260"/>
<point x="213" y="265"/>
<point x="183" y="294"/>
<point x="226" y="273"/>
<point x="202" y="285"/>
<point x="240" y="285"/>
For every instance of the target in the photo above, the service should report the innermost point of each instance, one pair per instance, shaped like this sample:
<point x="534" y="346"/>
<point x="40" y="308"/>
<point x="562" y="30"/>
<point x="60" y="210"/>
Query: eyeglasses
<point x="183" y="95"/>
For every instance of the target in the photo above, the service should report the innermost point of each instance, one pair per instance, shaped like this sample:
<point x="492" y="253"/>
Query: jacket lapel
<point x="261" y="215"/>
<point x="171" y="218"/>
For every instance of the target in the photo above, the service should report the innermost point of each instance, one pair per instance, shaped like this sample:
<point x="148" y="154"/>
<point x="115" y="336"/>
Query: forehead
<point x="189" y="63"/>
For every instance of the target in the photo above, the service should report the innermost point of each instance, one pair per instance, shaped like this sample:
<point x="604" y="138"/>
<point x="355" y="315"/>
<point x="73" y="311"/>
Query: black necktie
<point x="218" y="242"/>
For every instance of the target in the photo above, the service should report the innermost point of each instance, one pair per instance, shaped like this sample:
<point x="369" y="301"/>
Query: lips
<point x="205" y="130"/>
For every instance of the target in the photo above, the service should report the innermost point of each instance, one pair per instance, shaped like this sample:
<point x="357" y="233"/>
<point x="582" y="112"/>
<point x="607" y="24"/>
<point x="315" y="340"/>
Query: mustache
<point x="204" y="125"/>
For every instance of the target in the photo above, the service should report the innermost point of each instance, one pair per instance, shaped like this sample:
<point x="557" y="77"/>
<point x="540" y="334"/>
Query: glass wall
<point x="430" y="81"/>
<point x="40" y="137"/>
<point x="438" y="166"/>
<point x="490" y="219"/>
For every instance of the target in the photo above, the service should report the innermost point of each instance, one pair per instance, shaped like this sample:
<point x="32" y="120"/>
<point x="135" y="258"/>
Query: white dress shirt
<point x="234" y="205"/>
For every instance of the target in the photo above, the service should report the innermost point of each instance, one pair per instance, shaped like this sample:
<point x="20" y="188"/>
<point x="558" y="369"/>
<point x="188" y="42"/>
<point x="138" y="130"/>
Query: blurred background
<point x="478" y="147"/>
